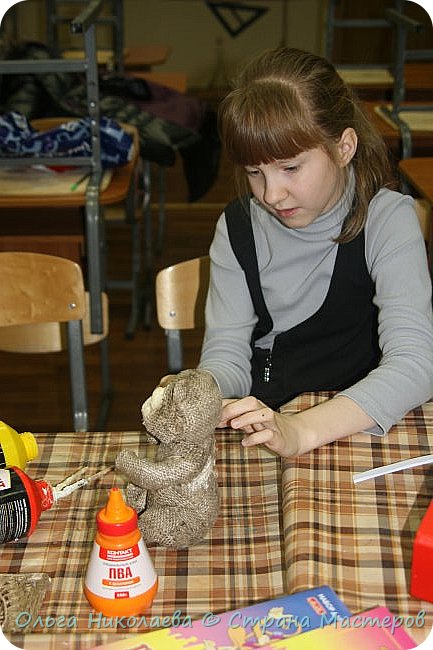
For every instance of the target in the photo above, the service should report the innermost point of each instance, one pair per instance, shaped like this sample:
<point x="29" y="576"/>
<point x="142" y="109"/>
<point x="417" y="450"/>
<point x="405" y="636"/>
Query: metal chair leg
<point x="77" y="376"/>
<point x="148" y="245"/>
<point x="161" y="211"/>
<point x="174" y="350"/>
<point x="135" y="283"/>
<point x="106" y="386"/>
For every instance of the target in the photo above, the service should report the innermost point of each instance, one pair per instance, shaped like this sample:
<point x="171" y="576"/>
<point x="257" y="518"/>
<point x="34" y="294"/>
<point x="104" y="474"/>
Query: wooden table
<point x="422" y="141"/>
<point x="144" y="57"/>
<point x="419" y="81"/>
<point x="119" y="189"/>
<point x="418" y="173"/>
<point x="377" y="86"/>
<point x="135" y="57"/>
<point x="283" y="527"/>
<point x="175" y="80"/>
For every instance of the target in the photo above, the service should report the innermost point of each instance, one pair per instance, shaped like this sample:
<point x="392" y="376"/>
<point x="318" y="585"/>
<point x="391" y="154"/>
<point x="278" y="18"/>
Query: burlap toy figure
<point x="176" y="495"/>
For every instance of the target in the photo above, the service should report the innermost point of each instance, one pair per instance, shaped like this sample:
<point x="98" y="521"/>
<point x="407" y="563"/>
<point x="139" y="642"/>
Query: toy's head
<point x="186" y="410"/>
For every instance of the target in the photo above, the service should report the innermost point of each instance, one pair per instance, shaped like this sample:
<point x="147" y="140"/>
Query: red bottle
<point x="421" y="584"/>
<point x="21" y="502"/>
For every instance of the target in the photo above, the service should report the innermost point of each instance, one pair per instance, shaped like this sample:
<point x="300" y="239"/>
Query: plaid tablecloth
<point x="278" y="531"/>
<point x="358" y="538"/>
<point x="239" y="563"/>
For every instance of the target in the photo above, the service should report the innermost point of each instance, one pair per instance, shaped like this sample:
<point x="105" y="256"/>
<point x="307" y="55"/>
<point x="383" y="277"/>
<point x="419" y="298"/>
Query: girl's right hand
<point x="261" y="424"/>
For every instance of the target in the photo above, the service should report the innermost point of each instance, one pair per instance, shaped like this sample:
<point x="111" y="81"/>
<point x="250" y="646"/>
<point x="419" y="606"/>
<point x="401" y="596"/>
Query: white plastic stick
<point x="66" y="490"/>
<point x="393" y="467"/>
<point x="70" y="479"/>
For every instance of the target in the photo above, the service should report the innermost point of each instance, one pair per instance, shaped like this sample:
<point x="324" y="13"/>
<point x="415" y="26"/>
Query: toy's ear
<point x="153" y="402"/>
<point x="167" y="379"/>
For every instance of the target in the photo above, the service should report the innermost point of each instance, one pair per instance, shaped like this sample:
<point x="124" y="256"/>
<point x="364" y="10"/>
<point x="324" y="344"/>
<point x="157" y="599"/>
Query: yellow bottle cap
<point x="30" y="444"/>
<point x="17" y="448"/>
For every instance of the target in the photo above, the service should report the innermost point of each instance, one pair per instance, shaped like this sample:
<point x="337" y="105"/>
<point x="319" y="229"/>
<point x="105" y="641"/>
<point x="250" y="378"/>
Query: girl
<point x="319" y="278"/>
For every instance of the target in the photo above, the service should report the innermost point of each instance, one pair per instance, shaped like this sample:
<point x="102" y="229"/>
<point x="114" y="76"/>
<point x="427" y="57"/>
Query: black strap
<point x="240" y="231"/>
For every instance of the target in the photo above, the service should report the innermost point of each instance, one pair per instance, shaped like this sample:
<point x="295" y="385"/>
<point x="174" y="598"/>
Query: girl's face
<point x="298" y="190"/>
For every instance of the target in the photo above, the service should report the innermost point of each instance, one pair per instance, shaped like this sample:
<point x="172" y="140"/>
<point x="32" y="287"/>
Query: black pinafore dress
<point x="332" y="349"/>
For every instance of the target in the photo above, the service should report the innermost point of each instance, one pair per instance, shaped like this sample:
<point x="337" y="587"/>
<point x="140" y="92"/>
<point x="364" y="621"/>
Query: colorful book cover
<point x="256" y="626"/>
<point x="375" y="629"/>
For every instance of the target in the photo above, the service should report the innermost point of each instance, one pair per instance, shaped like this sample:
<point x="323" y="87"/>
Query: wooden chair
<point x="44" y="308"/>
<point x="181" y="291"/>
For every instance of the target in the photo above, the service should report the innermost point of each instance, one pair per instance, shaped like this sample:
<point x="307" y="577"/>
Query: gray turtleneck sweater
<point x="296" y="266"/>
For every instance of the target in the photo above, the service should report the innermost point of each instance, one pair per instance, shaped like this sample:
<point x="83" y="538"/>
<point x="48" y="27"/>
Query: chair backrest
<point x="181" y="291"/>
<point x="44" y="308"/>
<point x="38" y="288"/>
<point x="38" y="338"/>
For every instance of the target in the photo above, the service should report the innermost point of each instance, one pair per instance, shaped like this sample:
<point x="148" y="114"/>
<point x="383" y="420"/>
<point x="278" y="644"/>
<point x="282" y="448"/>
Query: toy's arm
<point x="152" y="475"/>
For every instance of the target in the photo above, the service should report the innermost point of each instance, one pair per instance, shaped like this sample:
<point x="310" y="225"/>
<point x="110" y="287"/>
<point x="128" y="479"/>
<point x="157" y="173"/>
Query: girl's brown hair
<point x="287" y="101"/>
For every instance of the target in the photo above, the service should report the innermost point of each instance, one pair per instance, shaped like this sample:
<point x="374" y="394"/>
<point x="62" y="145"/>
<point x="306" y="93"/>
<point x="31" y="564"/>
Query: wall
<point x="198" y="39"/>
<point x="203" y="49"/>
<point x="200" y="45"/>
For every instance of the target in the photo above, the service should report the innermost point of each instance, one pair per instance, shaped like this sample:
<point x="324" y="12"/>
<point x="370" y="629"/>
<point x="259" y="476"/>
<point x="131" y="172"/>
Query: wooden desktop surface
<point x="116" y="191"/>
<point x="422" y="141"/>
<point x="140" y="57"/>
<point x="379" y="85"/>
<point x="144" y="57"/>
<point x="419" y="173"/>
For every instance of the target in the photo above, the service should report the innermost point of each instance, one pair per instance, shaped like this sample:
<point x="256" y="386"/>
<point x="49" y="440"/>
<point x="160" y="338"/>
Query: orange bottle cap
<point x="116" y="518"/>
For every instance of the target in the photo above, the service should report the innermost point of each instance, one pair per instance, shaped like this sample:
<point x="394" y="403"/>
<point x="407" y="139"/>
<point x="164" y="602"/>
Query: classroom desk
<point x="422" y="141"/>
<point x="119" y="189"/>
<point x="378" y="85"/>
<point x="135" y="57"/>
<point x="419" y="81"/>
<point x="283" y="527"/>
<point x="359" y="537"/>
<point x="240" y="562"/>
<point x="144" y="57"/>
<point x="419" y="174"/>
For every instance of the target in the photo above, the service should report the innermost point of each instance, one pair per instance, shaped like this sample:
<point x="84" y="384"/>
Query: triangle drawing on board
<point x="235" y="16"/>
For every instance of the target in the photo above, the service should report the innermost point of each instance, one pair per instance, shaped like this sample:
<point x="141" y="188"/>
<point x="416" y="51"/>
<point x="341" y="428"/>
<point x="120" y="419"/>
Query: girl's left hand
<point x="263" y="425"/>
